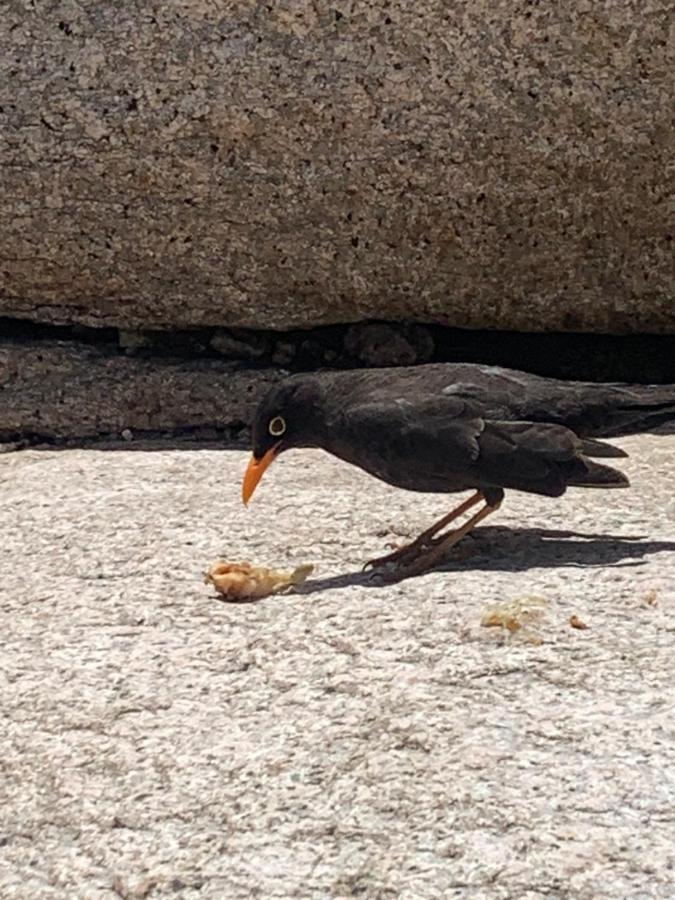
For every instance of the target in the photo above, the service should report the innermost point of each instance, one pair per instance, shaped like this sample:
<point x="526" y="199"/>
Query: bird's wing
<point x="541" y="458"/>
<point x="450" y="437"/>
<point x="436" y="434"/>
<point x="529" y="454"/>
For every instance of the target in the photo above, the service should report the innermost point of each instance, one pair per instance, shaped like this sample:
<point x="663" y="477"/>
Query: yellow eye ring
<point x="277" y="426"/>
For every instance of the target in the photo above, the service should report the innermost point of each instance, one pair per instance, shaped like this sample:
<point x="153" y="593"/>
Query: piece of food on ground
<point x="514" y="615"/>
<point x="244" y="581"/>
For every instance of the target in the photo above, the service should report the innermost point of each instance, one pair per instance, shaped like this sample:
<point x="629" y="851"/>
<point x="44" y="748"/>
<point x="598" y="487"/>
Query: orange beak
<point x="255" y="471"/>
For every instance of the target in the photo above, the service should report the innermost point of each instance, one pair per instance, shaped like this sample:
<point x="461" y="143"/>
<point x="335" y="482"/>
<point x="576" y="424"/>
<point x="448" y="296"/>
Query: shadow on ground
<point x="500" y="549"/>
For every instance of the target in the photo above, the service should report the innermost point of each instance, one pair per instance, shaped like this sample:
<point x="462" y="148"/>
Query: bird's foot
<point x="425" y="558"/>
<point x="404" y="555"/>
<point x="427" y="551"/>
<point x="427" y="541"/>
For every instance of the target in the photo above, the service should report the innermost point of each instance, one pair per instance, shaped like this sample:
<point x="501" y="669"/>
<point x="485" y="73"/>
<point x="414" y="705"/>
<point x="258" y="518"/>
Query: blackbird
<point x="450" y="427"/>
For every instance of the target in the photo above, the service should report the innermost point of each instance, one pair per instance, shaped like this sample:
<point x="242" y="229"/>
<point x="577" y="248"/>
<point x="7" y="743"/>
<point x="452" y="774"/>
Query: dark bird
<point x="454" y="427"/>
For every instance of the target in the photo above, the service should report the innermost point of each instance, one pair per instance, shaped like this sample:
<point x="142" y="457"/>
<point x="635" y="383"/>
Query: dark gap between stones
<point x="640" y="358"/>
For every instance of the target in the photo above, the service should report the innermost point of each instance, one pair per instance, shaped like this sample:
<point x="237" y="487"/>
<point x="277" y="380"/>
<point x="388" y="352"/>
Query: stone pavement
<point x="356" y="739"/>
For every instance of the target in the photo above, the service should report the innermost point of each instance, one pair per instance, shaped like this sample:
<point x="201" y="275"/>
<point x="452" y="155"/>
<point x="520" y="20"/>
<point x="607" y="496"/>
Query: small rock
<point x="380" y="345"/>
<point x="283" y="353"/>
<point x="128" y="434"/>
<point x="312" y="352"/>
<point x="244" y="345"/>
<point x="422" y="340"/>
<point x="130" y="341"/>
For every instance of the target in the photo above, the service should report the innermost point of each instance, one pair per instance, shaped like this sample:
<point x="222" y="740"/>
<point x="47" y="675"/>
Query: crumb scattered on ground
<point x="651" y="598"/>
<point x="523" y="614"/>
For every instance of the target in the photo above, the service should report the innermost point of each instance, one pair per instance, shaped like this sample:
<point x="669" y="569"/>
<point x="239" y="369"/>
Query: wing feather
<point x="452" y="440"/>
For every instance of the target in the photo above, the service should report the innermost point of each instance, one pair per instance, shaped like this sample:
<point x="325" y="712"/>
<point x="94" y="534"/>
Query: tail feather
<point x="595" y="475"/>
<point x="543" y="459"/>
<point x="589" y="447"/>
<point x="636" y="409"/>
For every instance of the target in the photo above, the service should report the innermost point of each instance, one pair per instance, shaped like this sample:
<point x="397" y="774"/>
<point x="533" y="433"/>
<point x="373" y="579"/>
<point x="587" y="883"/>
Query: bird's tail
<point x="589" y="447"/>
<point x="594" y="475"/>
<point x="631" y="409"/>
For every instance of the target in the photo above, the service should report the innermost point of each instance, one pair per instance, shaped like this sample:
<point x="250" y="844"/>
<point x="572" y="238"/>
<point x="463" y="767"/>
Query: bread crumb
<point x="651" y="598"/>
<point x="244" y="581"/>
<point x="517" y="615"/>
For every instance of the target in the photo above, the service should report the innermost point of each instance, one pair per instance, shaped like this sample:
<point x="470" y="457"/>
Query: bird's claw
<point x="400" y="555"/>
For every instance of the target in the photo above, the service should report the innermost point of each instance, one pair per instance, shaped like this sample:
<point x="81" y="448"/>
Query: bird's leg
<point x="426" y="539"/>
<point x="428" y="558"/>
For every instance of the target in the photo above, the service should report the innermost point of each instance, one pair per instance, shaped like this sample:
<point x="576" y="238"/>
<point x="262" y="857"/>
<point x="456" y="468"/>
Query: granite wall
<point x="486" y="163"/>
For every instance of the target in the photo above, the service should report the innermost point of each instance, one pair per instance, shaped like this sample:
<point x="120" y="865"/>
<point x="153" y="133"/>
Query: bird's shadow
<point x="501" y="549"/>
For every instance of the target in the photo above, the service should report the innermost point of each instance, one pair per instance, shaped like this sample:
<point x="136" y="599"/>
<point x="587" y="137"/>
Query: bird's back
<point x="589" y="409"/>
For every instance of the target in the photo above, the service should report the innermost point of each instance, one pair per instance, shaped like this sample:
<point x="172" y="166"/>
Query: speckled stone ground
<point x="355" y="739"/>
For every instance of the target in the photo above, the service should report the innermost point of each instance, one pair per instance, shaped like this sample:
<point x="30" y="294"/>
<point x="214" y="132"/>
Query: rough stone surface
<point x="354" y="740"/>
<point x="290" y="163"/>
<point x="66" y="390"/>
<point x="75" y="392"/>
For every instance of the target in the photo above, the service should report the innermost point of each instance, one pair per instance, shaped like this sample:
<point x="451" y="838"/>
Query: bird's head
<point x="288" y="416"/>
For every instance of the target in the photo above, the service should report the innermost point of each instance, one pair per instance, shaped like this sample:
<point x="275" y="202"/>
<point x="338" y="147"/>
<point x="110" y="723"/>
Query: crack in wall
<point x="640" y="358"/>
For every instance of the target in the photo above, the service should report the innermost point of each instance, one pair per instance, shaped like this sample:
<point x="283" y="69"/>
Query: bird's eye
<point x="277" y="426"/>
